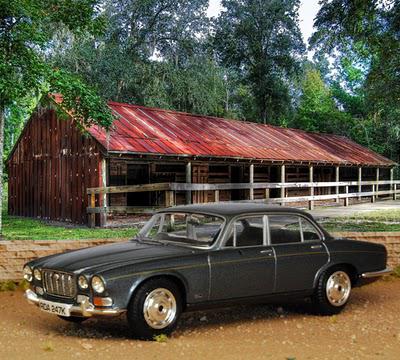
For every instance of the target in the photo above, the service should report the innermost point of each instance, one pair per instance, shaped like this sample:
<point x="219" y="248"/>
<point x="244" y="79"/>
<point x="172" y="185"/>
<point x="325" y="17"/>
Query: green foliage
<point x="162" y="338"/>
<point x="368" y="30"/>
<point x="261" y="40"/>
<point x="26" y="32"/>
<point x="317" y="110"/>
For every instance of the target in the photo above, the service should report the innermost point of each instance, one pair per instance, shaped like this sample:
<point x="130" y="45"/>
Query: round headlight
<point x="27" y="273"/>
<point x="97" y="284"/>
<point x="37" y="274"/>
<point x="82" y="282"/>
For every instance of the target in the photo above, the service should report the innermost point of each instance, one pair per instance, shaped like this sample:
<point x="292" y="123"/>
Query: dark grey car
<point x="195" y="256"/>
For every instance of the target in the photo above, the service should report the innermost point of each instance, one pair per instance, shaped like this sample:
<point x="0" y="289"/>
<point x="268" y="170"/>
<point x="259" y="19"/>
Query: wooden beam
<point x="189" y="181"/>
<point x="311" y="179"/>
<point x="251" y="180"/>
<point x="216" y="195"/>
<point x="391" y="182"/>
<point x="169" y="198"/>
<point x="92" y="216"/>
<point x="346" y="199"/>
<point x="377" y="182"/>
<point x="337" y="176"/>
<point x="226" y="186"/>
<point x="283" y="180"/>
<point x="359" y="181"/>
<point x="123" y="209"/>
<point x="103" y="196"/>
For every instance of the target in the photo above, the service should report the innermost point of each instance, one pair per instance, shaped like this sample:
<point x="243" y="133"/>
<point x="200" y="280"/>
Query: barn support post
<point x="346" y="199"/>
<point x="92" y="216"/>
<point x="283" y="180"/>
<point x="189" y="181"/>
<point x="216" y="196"/>
<point x="392" y="188"/>
<point x="169" y="198"/>
<point x="359" y="181"/>
<point x="251" y="171"/>
<point x="103" y="196"/>
<point x="311" y="179"/>
<point x="376" y="196"/>
<point x="337" y="173"/>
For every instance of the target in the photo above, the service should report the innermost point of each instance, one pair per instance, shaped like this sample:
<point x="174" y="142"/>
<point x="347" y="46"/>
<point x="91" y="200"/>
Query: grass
<point x="382" y="220"/>
<point x="18" y="228"/>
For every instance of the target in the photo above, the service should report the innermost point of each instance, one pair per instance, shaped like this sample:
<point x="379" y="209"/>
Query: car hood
<point x="104" y="257"/>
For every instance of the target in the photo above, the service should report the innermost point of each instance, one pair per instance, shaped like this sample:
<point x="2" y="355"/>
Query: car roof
<point x="233" y="209"/>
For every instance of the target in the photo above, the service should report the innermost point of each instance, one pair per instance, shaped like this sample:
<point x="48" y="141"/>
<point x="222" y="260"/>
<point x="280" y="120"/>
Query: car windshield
<point x="182" y="228"/>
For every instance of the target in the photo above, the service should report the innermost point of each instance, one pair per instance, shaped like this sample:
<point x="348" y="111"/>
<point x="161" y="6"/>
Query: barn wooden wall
<point x="51" y="167"/>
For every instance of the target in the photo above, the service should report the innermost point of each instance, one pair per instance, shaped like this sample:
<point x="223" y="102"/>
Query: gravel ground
<point x="369" y="328"/>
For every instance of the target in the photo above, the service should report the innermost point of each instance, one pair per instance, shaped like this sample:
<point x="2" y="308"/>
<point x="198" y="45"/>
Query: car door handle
<point x="267" y="251"/>
<point x="316" y="246"/>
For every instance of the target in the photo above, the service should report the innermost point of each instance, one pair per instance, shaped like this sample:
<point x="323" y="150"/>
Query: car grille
<point x="59" y="283"/>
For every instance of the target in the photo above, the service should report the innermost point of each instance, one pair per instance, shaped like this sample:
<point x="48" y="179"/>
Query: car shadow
<point x="117" y="327"/>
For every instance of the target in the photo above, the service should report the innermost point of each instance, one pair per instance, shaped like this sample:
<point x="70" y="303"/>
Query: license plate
<point x="55" y="308"/>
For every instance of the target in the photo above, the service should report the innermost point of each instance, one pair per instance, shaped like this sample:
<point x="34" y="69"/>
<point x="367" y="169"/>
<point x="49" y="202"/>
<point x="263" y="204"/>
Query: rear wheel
<point x="155" y="309"/>
<point x="333" y="291"/>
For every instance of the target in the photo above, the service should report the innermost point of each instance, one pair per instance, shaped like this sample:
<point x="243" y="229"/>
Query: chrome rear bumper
<point x="373" y="274"/>
<point x="84" y="309"/>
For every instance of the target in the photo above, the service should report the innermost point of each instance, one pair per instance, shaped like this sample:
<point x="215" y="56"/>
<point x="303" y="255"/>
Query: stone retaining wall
<point x="15" y="253"/>
<point x="390" y="239"/>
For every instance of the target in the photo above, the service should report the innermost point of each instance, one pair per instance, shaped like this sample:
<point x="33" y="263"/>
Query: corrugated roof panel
<point x="146" y="130"/>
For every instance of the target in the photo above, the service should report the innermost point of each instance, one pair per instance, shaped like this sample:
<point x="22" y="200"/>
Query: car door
<point x="245" y="265"/>
<point x="299" y="249"/>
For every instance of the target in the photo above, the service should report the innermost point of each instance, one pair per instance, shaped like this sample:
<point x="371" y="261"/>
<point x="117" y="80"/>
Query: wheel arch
<point x="353" y="273"/>
<point x="177" y="279"/>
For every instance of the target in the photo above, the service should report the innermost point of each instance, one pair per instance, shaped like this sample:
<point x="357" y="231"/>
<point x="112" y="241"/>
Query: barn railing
<point x="99" y="205"/>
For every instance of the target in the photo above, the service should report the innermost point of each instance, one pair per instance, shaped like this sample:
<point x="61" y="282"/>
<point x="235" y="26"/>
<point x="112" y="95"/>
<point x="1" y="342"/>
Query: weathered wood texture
<point x="50" y="169"/>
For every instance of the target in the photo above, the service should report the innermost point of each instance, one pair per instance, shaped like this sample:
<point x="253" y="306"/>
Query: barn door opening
<point x="237" y="176"/>
<point x="138" y="174"/>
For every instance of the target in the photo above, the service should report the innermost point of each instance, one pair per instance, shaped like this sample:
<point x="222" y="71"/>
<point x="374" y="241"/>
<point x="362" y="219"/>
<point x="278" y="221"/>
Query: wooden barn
<point x="179" y="158"/>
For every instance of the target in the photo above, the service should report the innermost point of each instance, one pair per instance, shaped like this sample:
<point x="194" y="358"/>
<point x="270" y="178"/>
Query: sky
<point x="308" y="10"/>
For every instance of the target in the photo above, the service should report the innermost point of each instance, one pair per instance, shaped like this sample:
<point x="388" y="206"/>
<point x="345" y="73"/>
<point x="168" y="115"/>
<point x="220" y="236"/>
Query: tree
<point x="262" y="41"/>
<point x="317" y="110"/>
<point x="26" y="31"/>
<point x="370" y="29"/>
<point x="153" y="52"/>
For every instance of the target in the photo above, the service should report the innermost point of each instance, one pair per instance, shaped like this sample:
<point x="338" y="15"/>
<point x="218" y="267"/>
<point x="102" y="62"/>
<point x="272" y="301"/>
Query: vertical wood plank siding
<point x="51" y="168"/>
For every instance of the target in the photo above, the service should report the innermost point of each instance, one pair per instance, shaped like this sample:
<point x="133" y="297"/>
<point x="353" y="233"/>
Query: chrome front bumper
<point x="373" y="274"/>
<point x="84" y="309"/>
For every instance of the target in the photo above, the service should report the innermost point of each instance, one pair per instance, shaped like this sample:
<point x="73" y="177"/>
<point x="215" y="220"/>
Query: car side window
<point x="310" y="233"/>
<point x="284" y="229"/>
<point x="247" y="232"/>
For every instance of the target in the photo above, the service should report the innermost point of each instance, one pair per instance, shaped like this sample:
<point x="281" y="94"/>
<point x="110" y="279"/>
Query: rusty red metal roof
<point x="145" y="130"/>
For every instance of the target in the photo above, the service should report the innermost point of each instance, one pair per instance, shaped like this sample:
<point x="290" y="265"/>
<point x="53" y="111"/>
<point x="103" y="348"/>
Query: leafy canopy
<point x="26" y="33"/>
<point x="262" y="41"/>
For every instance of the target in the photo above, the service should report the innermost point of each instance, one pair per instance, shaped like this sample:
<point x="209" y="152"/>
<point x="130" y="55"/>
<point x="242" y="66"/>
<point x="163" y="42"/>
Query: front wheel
<point x="154" y="309"/>
<point x="332" y="292"/>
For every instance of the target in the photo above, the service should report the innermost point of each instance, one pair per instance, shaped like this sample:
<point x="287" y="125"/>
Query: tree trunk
<point x="1" y="167"/>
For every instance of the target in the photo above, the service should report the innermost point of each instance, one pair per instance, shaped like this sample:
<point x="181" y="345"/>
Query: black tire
<point x="73" y="319"/>
<point x="155" y="300"/>
<point x="330" y="295"/>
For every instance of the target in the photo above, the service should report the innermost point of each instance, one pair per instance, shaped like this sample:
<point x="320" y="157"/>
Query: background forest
<point x="248" y="63"/>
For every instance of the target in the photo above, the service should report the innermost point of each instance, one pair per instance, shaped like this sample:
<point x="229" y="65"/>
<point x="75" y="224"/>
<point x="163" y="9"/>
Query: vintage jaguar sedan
<point x="195" y="256"/>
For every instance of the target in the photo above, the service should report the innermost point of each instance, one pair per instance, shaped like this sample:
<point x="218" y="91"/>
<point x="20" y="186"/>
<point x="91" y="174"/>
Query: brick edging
<point x="15" y="253"/>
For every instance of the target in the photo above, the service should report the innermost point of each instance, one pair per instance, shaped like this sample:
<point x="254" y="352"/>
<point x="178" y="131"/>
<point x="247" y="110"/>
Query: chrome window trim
<point x="232" y="223"/>
<point x="150" y="223"/>
<point x="313" y="224"/>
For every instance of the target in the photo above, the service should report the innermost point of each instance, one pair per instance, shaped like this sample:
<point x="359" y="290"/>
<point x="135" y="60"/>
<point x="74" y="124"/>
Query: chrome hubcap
<point x="338" y="288"/>
<point x="159" y="308"/>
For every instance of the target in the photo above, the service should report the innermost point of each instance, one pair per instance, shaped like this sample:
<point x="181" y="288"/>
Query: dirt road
<point x="369" y="328"/>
